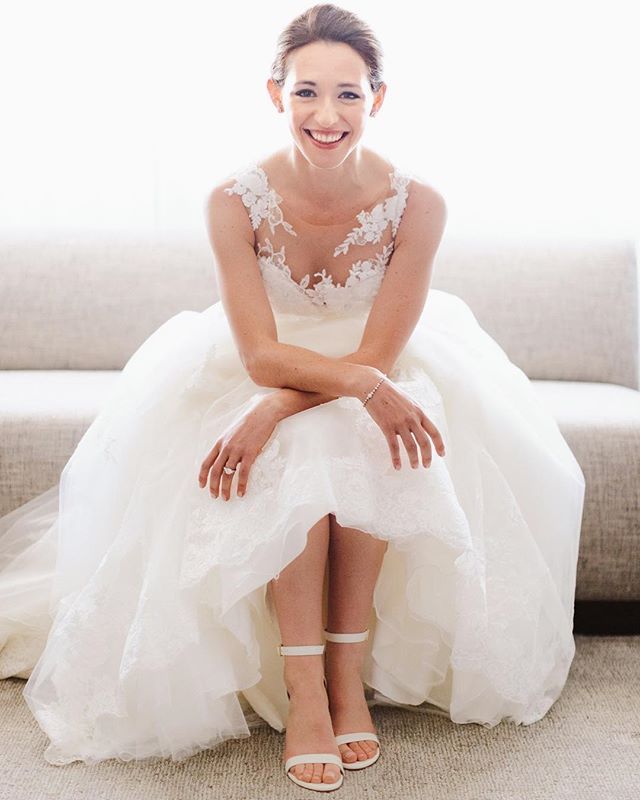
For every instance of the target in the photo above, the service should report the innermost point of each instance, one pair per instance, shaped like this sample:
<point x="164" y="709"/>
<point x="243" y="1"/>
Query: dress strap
<point x="399" y="201"/>
<point x="261" y="201"/>
<point x="373" y="223"/>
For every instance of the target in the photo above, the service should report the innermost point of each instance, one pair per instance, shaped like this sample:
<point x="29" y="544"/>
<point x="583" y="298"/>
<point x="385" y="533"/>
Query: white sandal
<point x="311" y="758"/>
<point x="347" y="738"/>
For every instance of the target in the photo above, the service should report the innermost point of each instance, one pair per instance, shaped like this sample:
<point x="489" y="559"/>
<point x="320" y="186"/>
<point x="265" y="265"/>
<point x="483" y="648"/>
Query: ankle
<point x="344" y="662"/>
<point x="299" y="678"/>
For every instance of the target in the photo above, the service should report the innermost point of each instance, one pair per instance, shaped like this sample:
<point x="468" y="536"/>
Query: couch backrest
<point x="562" y="310"/>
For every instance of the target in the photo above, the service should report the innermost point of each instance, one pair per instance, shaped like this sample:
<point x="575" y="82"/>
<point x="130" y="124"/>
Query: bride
<point x="312" y="490"/>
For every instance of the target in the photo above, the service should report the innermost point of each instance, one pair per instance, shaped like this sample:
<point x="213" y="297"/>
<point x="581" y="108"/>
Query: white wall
<point x="121" y="114"/>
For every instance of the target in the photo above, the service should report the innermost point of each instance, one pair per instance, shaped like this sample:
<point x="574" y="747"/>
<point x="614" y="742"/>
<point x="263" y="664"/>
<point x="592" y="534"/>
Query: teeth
<point x="322" y="137"/>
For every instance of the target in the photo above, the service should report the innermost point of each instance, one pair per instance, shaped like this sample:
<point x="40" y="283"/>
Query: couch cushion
<point x="43" y="415"/>
<point x="601" y="423"/>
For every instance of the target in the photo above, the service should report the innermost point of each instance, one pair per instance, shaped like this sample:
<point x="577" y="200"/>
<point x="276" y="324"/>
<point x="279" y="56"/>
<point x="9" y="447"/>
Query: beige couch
<point x="75" y="307"/>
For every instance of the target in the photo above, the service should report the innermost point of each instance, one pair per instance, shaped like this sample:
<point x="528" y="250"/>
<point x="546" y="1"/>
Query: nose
<point x="326" y="115"/>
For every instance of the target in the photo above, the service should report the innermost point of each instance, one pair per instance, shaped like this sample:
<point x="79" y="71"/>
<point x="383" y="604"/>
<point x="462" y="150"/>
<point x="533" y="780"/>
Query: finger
<point x="242" y="472"/>
<point x="227" y="480"/>
<point x="394" y="449"/>
<point x="410" y="446"/>
<point x="434" y="433"/>
<point x="206" y="464"/>
<point x="424" y="443"/>
<point x="225" y="484"/>
<point x="216" y="472"/>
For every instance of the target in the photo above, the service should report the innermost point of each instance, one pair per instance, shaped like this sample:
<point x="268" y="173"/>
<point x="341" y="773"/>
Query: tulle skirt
<point x="137" y="607"/>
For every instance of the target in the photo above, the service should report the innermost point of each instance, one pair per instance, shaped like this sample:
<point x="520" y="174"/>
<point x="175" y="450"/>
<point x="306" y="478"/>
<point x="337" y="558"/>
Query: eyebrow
<point x="313" y="83"/>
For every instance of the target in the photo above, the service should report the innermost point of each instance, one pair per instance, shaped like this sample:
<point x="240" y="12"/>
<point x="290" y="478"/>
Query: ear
<point x="378" y="98"/>
<point x="276" y="93"/>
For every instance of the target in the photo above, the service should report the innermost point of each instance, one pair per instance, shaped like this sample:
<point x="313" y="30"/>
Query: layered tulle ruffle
<point x="137" y="606"/>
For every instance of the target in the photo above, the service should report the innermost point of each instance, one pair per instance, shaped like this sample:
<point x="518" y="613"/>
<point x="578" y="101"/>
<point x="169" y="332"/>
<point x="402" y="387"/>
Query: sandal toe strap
<point x="314" y="758"/>
<point x="346" y="738"/>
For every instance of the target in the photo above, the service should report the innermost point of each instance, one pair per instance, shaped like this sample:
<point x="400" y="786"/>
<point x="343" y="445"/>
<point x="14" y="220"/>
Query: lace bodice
<point x="288" y="295"/>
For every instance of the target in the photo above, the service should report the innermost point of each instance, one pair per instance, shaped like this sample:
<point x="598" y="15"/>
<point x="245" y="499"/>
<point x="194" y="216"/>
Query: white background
<point x="122" y="114"/>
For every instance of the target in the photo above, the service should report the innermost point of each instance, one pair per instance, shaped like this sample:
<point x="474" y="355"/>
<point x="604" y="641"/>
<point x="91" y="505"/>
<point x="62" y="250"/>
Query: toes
<point x="331" y="773"/>
<point x="304" y="772"/>
<point x="364" y="749"/>
<point x="358" y="749"/>
<point x="316" y="773"/>
<point x="347" y="753"/>
<point x="369" y="747"/>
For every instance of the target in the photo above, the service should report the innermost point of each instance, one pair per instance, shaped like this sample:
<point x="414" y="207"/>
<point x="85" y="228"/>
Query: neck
<point x="324" y="184"/>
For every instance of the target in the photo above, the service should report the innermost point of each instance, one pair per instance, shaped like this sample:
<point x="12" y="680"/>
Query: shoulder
<point x="425" y="212"/>
<point x="225" y="208"/>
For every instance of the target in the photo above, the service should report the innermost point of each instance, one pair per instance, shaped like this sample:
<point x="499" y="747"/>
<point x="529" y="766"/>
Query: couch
<point x="75" y="306"/>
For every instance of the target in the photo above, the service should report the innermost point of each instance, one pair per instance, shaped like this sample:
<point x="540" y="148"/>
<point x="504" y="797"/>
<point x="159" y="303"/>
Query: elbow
<point x="256" y="365"/>
<point x="253" y="370"/>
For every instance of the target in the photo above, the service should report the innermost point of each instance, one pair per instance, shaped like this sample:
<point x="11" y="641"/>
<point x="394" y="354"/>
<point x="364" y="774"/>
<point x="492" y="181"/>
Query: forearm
<point x="289" y="401"/>
<point x="286" y="366"/>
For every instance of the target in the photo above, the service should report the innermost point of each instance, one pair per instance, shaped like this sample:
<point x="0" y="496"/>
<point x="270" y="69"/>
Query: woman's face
<point x="326" y="89"/>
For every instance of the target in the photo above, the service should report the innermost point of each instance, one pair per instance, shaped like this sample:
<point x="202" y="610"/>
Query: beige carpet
<point x="586" y="748"/>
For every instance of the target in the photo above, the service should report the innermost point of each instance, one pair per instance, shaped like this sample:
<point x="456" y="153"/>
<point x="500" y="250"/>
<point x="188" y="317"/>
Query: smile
<point x="325" y="140"/>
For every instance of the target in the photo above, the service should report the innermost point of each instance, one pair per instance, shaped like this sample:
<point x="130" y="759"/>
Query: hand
<point x="398" y="415"/>
<point x="239" y="445"/>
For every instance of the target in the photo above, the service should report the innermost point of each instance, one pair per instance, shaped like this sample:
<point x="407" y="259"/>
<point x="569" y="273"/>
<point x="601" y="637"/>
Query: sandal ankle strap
<point x="301" y="650"/>
<point x="347" y="637"/>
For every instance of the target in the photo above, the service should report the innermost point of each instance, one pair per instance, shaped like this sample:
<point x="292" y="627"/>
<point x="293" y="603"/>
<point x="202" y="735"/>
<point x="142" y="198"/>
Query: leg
<point x="297" y="597"/>
<point x="355" y="559"/>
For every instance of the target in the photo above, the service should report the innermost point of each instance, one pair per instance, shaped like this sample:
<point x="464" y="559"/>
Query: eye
<point x="354" y="97"/>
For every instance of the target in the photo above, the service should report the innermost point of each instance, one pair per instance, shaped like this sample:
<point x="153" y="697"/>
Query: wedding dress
<point x="136" y="605"/>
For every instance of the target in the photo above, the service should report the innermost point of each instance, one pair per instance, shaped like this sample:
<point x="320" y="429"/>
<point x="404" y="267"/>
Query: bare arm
<point x="400" y="300"/>
<point x="315" y="378"/>
<point x="290" y="401"/>
<point x="287" y="366"/>
<point x="268" y="361"/>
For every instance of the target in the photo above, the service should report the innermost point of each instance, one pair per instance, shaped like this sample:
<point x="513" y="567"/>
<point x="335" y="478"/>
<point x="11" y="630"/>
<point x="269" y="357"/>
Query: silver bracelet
<point x="373" y="391"/>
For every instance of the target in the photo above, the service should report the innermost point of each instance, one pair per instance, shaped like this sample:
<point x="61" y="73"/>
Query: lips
<point x="326" y="144"/>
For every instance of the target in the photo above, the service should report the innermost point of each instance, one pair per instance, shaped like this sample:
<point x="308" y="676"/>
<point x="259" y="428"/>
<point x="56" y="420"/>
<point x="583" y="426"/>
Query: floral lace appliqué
<point x="374" y="223"/>
<point x="365" y="275"/>
<point x="287" y="294"/>
<point x="262" y="201"/>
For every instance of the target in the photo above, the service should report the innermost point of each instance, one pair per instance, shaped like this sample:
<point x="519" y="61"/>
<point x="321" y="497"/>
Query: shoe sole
<point x="317" y="787"/>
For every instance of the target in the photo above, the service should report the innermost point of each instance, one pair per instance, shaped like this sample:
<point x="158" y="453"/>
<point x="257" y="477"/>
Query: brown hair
<point x="329" y="23"/>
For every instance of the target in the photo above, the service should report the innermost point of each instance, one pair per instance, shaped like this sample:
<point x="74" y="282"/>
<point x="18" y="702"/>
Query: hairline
<point x="313" y="83"/>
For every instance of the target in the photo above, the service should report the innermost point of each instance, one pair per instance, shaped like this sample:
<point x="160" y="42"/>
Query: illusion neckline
<point x="264" y="199"/>
<point x="393" y="176"/>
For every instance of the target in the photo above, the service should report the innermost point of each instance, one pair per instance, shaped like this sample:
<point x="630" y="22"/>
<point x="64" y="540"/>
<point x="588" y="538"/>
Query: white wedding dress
<point x="137" y="606"/>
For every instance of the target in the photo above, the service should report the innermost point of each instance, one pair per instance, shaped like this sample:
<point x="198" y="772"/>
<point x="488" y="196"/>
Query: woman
<point x="149" y="610"/>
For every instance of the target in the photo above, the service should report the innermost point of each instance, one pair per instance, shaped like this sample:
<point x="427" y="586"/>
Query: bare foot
<point x="347" y="702"/>
<point x="309" y="728"/>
